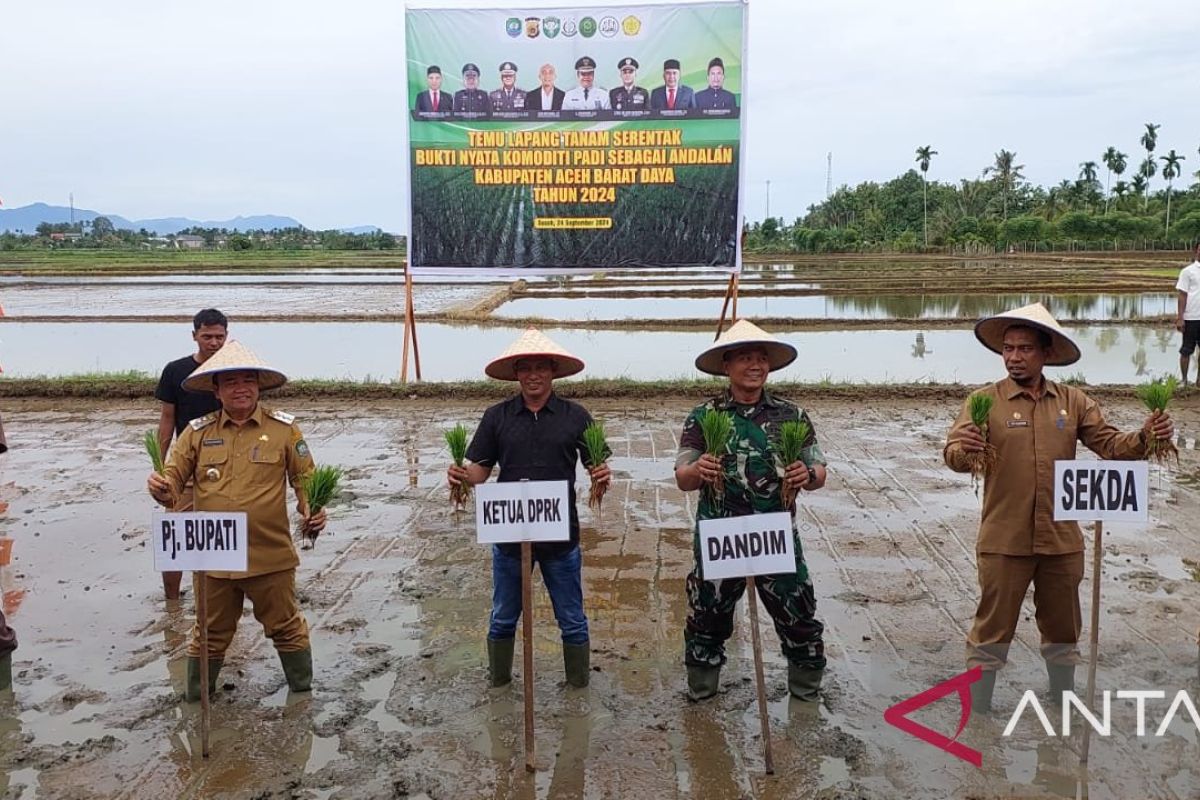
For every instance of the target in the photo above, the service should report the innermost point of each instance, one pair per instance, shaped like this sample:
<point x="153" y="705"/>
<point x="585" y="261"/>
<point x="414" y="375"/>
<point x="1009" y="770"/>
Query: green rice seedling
<point x="1156" y="395"/>
<point x="979" y="406"/>
<point x="596" y="443"/>
<point x="717" y="428"/>
<point x="150" y="439"/>
<point x="456" y="439"/>
<point x="320" y="487"/>
<point x="788" y="450"/>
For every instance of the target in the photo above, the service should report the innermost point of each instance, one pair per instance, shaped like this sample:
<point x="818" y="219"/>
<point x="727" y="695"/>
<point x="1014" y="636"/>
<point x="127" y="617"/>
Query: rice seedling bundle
<point x="1156" y="395"/>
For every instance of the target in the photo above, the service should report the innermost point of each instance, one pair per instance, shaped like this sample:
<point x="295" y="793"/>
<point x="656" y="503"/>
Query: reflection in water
<point x="571" y="762"/>
<point x="711" y="770"/>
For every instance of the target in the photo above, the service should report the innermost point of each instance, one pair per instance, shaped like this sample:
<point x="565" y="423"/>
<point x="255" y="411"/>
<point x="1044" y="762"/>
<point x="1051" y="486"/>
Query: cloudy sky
<point x="209" y="110"/>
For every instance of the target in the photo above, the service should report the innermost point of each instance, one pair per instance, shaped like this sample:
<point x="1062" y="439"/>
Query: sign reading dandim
<point x="562" y="139"/>
<point x="756" y="544"/>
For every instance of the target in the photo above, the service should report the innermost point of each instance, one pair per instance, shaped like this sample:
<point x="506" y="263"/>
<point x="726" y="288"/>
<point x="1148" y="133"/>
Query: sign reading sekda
<point x="565" y="160"/>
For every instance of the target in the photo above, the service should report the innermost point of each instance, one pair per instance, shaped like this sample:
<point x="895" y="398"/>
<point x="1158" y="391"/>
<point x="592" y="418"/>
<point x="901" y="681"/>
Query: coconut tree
<point x="1007" y="175"/>
<point x="1116" y="161"/>
<point x="924" y="156"/>
<point x="1149" y="141"/>
<point x="1171" y="169"/>
<point x="1148" y="169"/>
<point x="1087" y="181"/>
<point x="1120" y="189"/>
<point x="1138" y="183"/>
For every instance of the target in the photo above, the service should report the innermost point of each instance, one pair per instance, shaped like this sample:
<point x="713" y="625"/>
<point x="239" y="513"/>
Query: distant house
<point x="187" y="241"/>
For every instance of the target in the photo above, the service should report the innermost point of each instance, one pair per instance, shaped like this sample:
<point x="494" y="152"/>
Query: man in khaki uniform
<point x="241" y="459"/>
<point x="1033" y="423"/>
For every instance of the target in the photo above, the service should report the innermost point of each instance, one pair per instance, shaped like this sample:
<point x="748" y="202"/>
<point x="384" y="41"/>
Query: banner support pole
<point x="410" y="330"/>
<point x="730" y="294"/>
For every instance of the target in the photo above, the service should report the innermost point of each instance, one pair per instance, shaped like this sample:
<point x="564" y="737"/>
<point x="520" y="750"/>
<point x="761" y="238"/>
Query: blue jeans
<point x="563" y="578"/>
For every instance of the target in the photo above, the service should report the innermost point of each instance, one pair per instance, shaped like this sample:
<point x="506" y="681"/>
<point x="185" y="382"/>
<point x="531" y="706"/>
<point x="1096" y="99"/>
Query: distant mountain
<point x="26" y="219"/>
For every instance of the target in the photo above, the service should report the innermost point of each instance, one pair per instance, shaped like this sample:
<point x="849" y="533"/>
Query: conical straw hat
<point x="533" y="344"/>
<point x="1063" y="350"/>
<point x="740" y="334"/>
<point x="233" y="357"/>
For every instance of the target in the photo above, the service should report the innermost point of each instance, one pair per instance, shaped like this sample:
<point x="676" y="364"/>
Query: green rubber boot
<point x="500" y="660"/>
<point x="1062" y="679"/>
<point x="577" y="663"/>
<point x="192" y="694"/>
<point x="703" y="682"/>
<point x="297" y="668"/>
<point x="805" y="683"/>
<point x="982" y="691"/>
<point x="6" y="671"/>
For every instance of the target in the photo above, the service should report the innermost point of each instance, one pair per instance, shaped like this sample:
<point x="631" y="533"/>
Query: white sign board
<point x="1102" y="491"/>
<point x="200" y="540"/>
<point x="522" y="511"/>
<point x="756" y="544"/>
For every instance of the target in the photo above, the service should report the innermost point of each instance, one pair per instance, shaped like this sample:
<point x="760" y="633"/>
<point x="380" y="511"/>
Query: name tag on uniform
<point x="1018" y="423"/>
<point x="213" y="442"/>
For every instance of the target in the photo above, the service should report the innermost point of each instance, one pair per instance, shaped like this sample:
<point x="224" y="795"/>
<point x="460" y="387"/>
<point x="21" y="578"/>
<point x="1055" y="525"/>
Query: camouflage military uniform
<point x="753" y="485"/>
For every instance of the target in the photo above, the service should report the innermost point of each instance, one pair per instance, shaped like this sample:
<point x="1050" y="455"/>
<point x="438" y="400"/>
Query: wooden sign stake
<point x="1097" y="553"/>
<point x="202" y="620"/>
<point x="763" y="719"/>
<point x="527" y="648"/>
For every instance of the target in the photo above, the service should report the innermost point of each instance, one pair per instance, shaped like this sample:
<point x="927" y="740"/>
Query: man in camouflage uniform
<point x="753" y="484"/>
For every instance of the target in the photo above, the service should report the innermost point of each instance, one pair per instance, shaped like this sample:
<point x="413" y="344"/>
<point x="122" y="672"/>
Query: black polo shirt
<point x="189" y="405"/>
<point x="539" y="447"/>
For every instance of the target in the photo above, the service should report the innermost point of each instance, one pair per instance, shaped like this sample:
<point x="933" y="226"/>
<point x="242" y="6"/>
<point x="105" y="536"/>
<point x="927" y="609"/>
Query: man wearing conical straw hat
<point x="242" y="458"/>
<point x="1032" y="423"/>
<point x="535" y="435"/>
<point x="754" y="482"/>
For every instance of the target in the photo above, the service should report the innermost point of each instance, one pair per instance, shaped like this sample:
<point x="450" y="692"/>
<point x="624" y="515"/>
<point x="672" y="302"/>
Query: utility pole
<point x="72" y="200"/>
<point x="768" y="199"/>
<point x="829" y="175"/>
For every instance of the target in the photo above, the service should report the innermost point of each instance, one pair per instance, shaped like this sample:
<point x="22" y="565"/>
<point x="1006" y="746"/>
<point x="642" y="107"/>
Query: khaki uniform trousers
<point x="1003" y="581"/>
<point x="273" y="597"/>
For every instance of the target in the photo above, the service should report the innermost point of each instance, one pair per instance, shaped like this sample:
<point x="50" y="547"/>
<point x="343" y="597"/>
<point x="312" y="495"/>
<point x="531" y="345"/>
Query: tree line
<point x="100" y="233"/>
<point x="1001" y="210"/>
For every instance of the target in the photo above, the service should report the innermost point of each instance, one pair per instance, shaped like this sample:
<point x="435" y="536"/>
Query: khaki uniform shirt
<point x="1029" y="436"/>
<point x="245" y="468"/>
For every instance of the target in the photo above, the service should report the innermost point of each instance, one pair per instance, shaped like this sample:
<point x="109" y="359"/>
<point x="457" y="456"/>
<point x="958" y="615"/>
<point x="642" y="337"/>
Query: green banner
<point x="584" y="138"/>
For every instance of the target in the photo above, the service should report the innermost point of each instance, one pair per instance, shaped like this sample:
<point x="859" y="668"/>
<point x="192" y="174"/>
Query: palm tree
<point x="1147" y="170"/>
<point x="924" y="155"/>
<point x="1149" y="141"/>
<point x="1008" y="175"/>
<point x="1138" y="183"/>
<point x="1171" y="169"/>
<point x="1116" y="162"/>
<point x="1120" y="189"/>
<point x="1087" y="181"/>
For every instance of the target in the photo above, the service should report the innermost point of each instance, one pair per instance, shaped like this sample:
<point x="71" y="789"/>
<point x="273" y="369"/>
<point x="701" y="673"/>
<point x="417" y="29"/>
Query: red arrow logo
<point x="897" y="715"/>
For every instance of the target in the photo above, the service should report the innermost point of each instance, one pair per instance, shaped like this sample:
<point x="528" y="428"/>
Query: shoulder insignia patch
<point x="203" y="422"/>
<point x="282" y="416"/>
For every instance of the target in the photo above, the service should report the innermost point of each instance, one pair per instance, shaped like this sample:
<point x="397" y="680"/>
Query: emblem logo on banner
<point x="609" y="27"/>
<point x="631" y="25"/>
<point x="551" y="26"/>
<point x="513" y="27"/>
<point x="533" y="27"/>
<point x="587" y="27"/>
<point x="569" y="27"/>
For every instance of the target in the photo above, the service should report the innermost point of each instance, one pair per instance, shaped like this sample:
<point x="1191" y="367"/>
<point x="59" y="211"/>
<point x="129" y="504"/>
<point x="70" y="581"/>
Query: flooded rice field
<point x="585" y="304"/>
<point x="397" y="596"/>
<point x="372" y="351"/>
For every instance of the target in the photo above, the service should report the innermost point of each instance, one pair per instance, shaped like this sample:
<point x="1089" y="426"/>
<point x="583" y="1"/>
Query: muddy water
<point x="873" y="306"/>
<point x="397" y="596"/>
<point x="372" y="351"/>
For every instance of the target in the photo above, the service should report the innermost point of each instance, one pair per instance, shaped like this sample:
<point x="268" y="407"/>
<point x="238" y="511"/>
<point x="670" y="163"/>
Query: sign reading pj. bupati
<point x="580" y="138"/>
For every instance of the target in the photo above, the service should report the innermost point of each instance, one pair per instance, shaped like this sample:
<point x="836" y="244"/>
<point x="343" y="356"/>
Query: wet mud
<point x="397" y="595"/>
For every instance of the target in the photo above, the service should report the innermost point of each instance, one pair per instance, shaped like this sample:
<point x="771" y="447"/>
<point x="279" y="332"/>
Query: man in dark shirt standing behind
<point x="179" y="406"/>
<point x="535" y="435"/>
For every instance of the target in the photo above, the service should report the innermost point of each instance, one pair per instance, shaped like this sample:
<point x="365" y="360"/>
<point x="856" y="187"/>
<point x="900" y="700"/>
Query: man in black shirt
<point x="535" y="435"/>
<point x="180" y="406"/>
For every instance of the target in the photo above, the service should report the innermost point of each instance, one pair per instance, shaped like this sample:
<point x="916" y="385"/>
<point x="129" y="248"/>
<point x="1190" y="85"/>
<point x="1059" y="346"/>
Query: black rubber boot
<point x="703" y="682"/>
<point x="297" y="668"/>
<point x="982" y="691"/>
<point x="805" y="683"/>
<point x="1062" y="679"/>
<point x="500" y="661"/>
<point x="192" y="694"/>
<point x="577" y="663"/>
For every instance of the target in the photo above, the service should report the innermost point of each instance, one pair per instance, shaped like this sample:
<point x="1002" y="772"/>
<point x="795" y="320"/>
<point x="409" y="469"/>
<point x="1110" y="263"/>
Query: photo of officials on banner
<point x="571" y="138"/>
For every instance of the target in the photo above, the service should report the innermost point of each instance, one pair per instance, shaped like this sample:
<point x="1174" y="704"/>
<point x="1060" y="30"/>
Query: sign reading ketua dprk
<point x="756" y="544"/>
<point x="522" y="511"/>
<point x="200" y="541"/>
<point x="1102" y="491"/>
